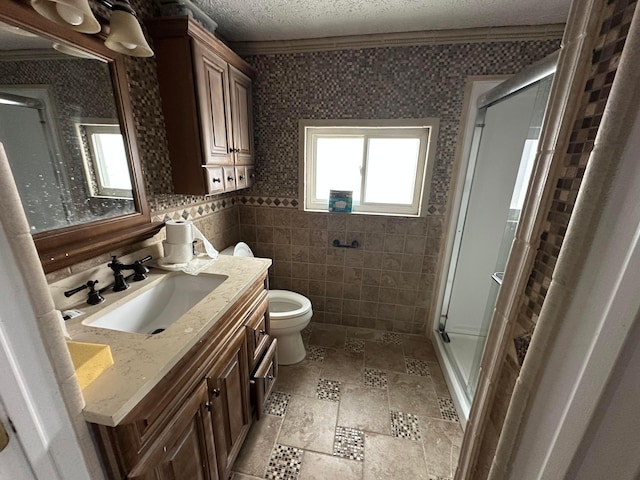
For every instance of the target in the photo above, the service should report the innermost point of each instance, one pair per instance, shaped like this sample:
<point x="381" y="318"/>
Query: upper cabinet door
<point x="240" y="86"/>
<point x="215" y="115"/>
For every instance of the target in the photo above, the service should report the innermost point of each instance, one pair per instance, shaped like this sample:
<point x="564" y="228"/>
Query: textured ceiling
<point x="258" y="20"/>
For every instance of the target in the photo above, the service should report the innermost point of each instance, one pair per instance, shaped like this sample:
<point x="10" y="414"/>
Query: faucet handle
<point x="140" y="271"/>
<point x="94" y="295"/>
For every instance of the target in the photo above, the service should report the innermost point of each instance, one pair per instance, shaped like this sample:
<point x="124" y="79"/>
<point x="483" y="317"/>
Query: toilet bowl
<point x="289" y="314"/>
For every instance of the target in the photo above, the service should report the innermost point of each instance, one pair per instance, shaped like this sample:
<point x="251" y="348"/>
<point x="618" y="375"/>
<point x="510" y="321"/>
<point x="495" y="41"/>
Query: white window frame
<point x="99" y="126"/>
<point x="426" y="129"/>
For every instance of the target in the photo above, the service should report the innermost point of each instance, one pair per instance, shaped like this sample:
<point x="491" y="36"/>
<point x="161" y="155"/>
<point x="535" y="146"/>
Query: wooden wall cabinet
<point x="195" y="420"/>
<point x="206" y="98"/>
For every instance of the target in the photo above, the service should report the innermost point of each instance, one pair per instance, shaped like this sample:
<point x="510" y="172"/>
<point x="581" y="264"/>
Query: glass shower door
<point x="500" y="167"/>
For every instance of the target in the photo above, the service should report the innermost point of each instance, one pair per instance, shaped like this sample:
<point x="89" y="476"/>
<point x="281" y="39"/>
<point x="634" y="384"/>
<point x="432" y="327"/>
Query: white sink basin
<point x="155" y="309"/>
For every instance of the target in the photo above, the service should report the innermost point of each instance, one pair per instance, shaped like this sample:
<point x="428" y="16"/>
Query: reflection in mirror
<point x="59" y="127"/>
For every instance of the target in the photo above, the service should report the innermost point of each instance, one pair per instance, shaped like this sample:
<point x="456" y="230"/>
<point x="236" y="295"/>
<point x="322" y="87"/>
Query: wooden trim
<point x="401" y="39"/>
<point x="177" y="26"/>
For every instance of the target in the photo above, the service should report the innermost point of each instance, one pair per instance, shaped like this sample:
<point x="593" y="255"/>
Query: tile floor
<point x="363" y="405"/>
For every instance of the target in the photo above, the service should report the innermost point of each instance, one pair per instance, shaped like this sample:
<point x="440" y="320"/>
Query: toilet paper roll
<point x="177" y="253"/>
<point x="184" y="232"/>
<point x="179" y="232"/>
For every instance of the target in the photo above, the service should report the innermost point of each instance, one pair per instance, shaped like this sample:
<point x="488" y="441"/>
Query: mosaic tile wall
<point x="401" y="82"/>
<point x="612" y="34"/>
<point x="386" y="284"/>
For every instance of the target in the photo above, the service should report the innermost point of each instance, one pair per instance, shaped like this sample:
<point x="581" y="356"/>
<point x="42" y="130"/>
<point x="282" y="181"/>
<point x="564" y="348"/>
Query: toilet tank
<point x="241" y="249"/>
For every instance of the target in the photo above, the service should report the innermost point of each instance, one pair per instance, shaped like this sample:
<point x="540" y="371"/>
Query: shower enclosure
<point x="501" y="158"/>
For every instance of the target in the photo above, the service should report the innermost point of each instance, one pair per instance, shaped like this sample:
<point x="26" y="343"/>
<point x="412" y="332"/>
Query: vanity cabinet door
<point x="215" y="179"/>
<point x="185" y="449"/>
<point x="215" y="117"/>
<point x="241" y="111"/>
<point x="228" y="383"/>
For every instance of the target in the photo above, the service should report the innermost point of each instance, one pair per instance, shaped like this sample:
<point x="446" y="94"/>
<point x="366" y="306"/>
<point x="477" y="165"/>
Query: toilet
<point x="289" y="313"/>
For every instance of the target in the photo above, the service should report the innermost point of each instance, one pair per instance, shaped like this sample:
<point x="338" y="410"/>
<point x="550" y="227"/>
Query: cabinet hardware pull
<point x="263" y="332"/>
<point x="216" y="180"/>
<point x="229" y="179"/>
<point x="241" y="177"/>
<point x="208" y="406"/>
<point x="252" y="382"/>
<point x="235" y="150"/>
<point x="215" y="393"/>
<point x="270" y="377"/>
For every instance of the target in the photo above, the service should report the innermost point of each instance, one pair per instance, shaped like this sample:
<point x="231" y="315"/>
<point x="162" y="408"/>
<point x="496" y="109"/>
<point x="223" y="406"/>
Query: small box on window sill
<point x="341" y="201"/>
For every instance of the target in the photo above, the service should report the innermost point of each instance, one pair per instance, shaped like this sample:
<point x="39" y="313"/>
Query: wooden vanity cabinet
<point x="206" y="98"/>
<point x="193" y="422"/>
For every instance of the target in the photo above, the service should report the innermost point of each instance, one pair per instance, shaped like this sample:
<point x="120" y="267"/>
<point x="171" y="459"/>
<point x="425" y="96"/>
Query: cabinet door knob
<point x="216" y="180"/>
<point x="215" y="393"/>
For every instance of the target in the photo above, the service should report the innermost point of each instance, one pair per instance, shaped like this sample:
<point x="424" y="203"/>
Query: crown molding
<point x="401" y="39"/>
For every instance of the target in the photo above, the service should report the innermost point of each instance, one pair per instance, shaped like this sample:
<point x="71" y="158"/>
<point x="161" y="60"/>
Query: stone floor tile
<point x="388" y="457"/>
<point x="309" y="424"/>
<point x="284" y="463"/>
<point x="405" y="425"/>
<point x="439" y="439"/>
<point x="300" y="379"/>
<point x="354" y="345"/>
<point x="349" y="443"/>
<point x="393" y="338"/>
<point x="242" y="476"/>
<point x="317" y="466"/>
<point x="365" y="334"/>
<point x="412" y="394"/>
<point x="384" y="356"/>
<point x="315" y="353"/>
<point x="328" y="390"/>
<point x="277" y="404"/>
<point x="343" y="366"/>
<point x="375" y="378"/>
<point x="329" y="336"/>
<point x="254" y="456"/>
<point x="419" y="348"/>
<point x="448" y="409"/>
<point x="439" y="382"/>
<point x="417" y="367"/>
<point x="365" y="408"/>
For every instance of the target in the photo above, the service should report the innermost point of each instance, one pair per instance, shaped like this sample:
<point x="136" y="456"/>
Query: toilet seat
<point x="279" y="298"/>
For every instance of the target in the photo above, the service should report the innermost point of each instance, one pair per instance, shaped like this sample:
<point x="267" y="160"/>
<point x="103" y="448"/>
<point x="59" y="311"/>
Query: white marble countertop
<point x="141" y="361"/>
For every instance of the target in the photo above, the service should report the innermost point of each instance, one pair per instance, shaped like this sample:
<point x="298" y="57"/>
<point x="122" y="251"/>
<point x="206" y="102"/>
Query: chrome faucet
<point x="139" y="272"/>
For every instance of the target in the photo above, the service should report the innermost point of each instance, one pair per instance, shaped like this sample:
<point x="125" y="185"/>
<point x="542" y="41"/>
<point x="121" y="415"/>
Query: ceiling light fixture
<point x="125" y="34"/>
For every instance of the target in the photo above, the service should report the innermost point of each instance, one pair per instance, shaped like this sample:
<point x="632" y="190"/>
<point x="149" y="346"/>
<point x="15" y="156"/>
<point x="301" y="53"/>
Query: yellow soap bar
<point x="89" y="360"/>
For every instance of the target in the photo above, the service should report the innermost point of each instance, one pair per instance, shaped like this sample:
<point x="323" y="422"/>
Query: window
<point x="386" y="163"/>
<point x="105" y="160"/>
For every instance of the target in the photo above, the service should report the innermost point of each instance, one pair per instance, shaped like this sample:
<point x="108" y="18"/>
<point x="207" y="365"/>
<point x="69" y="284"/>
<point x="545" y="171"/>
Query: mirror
<point x="66" y="126"/>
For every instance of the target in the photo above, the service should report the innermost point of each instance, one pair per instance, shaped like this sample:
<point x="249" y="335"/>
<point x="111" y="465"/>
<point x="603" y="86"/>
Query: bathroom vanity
<point x="179" y="404"/>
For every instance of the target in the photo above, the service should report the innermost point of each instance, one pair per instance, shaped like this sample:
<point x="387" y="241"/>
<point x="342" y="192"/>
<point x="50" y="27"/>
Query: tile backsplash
<point x="388" y="283"/>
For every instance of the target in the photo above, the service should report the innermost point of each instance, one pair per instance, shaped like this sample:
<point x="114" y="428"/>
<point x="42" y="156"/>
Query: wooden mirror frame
<point x="69" y="245"/>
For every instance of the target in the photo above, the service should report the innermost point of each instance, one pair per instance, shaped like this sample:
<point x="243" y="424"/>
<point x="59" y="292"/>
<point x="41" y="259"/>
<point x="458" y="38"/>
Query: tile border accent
<point x="399" y="39"/>
<point x="375" y="378"/>
<point x="196" y="211"/>
<point x="448" y="410"/>
<point x="293" y="202"/>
